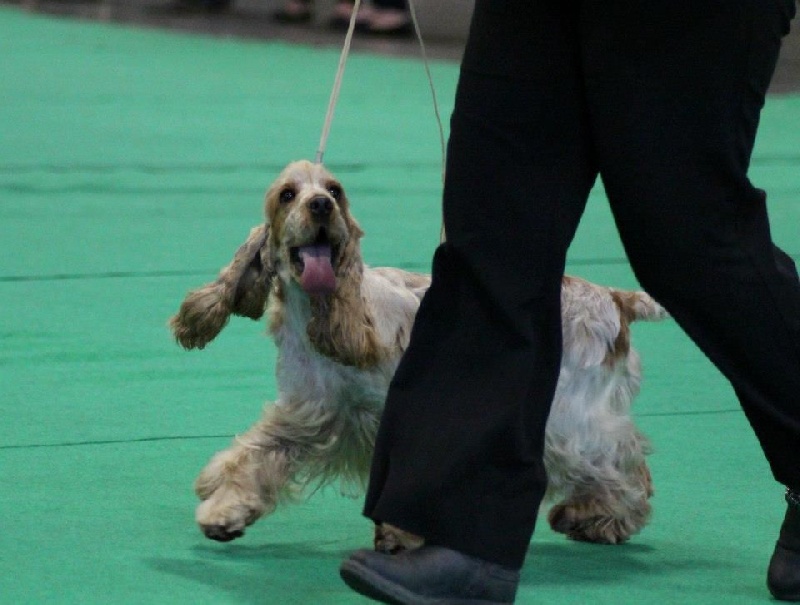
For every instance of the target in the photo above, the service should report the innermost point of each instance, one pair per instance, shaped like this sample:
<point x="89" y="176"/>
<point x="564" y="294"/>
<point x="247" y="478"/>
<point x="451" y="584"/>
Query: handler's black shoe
<point x="428" y="575"/>
<point x="783" y="576"/>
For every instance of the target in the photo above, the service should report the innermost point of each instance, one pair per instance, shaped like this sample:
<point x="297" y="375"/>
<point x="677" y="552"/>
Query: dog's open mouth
<point x="314" y="264"/>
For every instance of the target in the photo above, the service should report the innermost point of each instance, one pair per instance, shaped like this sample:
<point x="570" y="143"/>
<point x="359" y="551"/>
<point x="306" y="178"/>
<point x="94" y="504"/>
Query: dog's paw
<point x="391" y="540"/>
<point x="224" y="517"/>
<point x="587" y="521"/>
<point x="220" y="533"/>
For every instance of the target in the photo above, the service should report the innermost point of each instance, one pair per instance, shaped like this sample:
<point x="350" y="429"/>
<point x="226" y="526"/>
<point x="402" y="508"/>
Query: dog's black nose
<point x="321" y="207"/>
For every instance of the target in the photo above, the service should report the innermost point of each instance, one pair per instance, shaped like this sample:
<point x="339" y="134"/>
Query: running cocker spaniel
<point x="341" y="327"/>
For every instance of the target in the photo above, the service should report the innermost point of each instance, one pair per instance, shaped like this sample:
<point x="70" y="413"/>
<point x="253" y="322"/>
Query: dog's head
<point x="313" y="239"/>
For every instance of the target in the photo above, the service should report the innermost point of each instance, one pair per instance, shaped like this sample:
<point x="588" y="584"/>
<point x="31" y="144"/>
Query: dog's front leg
<point x="244" y="482"/>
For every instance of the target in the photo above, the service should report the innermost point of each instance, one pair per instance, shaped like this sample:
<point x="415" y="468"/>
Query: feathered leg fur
<point x="244" y="482"/>
<point x="292" y="445"/>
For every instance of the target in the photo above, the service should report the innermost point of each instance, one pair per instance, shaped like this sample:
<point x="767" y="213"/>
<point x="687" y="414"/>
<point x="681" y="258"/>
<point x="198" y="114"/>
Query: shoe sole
<point x="374" y="586"/>
<point x="371" y="585"/>
<point x="791" y="598"/>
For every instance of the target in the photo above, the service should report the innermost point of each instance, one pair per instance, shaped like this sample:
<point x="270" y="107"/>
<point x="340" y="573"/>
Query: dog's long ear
<point x="241" y="289"/>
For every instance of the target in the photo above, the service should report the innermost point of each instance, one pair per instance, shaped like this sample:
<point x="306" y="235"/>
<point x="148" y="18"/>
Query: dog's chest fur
<point x="305" y="374"/>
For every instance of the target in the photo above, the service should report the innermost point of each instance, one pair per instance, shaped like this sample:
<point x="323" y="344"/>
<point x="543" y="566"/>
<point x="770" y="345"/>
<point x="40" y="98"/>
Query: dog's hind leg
<point x="606" y="511"/>
<point x="596" y="461"/>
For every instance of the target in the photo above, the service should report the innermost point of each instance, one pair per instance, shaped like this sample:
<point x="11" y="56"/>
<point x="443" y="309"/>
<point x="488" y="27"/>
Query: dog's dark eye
<point x="335" y="191"/>
<point x="287" y="195"/>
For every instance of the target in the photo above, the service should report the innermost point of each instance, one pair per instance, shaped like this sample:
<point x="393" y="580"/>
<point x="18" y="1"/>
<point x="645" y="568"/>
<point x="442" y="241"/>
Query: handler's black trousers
<point x="661" y="98"/>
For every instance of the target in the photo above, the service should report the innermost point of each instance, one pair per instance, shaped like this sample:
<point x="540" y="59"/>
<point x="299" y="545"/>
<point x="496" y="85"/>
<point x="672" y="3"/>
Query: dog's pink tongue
<point x="317" y="278"/>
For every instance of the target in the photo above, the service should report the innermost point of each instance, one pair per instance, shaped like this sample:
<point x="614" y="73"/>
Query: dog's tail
<point x="639" y="306"/>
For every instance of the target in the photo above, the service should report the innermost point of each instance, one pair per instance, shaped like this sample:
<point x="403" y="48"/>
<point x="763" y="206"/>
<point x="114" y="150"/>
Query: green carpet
<point x="131" y="164"/>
